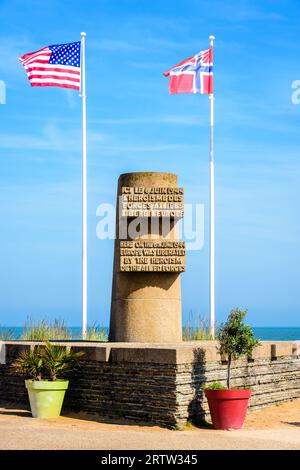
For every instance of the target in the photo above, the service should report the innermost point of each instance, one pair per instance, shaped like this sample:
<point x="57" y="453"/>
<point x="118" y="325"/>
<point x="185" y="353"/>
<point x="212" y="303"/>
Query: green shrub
<point x="215" y="386"/>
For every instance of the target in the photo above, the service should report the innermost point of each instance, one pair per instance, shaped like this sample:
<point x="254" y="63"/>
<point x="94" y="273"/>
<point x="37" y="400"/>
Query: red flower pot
<point x="227" y="407"/>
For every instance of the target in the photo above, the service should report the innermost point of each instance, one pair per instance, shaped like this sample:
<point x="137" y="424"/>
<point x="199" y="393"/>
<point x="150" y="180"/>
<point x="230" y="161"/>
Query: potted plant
<point x="228" y="406"/>
<point x="43" y="366"/>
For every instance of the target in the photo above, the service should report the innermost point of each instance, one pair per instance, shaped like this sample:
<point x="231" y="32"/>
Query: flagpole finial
<point x="211" y="38"/>
<point x="82" y="34"/>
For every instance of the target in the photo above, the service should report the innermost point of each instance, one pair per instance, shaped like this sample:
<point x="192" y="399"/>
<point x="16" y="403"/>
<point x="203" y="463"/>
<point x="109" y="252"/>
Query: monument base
<point x="161" y="384"/>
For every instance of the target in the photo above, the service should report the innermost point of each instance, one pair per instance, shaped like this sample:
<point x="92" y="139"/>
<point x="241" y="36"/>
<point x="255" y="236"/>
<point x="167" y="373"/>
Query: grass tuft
<point x="7" y="334"/>
<point x="196" y="329"/>
<point x="96" y="333"/>
<point x="44" y="330"/>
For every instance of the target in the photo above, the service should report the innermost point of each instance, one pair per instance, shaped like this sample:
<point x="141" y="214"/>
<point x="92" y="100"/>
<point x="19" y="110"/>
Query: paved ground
<point x="277" y="427"/>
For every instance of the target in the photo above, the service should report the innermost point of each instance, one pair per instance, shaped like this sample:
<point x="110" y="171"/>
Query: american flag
<point x="193" y="75"/>
<point x="57" y="65"/>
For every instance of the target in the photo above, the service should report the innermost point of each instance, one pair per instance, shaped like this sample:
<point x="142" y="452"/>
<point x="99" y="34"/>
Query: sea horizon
<point x="263" y="333"/>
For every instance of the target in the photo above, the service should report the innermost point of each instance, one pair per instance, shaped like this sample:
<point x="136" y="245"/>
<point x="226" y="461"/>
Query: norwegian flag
<point x="193" y="75"/>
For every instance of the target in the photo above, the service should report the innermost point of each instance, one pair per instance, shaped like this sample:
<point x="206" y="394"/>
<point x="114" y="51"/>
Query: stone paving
<point x="277" y="427"/>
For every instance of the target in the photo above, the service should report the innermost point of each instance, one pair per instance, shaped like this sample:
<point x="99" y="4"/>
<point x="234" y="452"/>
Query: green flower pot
<point x="46" y="398"/>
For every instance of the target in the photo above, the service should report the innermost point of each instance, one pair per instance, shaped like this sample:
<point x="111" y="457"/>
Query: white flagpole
<point x="212" y="319"/>
<point x="84" y="191"/>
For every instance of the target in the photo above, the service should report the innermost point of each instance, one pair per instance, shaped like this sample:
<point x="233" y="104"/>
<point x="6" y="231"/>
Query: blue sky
<point x="134" y="125"/>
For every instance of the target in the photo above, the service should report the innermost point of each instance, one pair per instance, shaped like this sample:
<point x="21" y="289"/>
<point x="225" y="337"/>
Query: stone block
<point x="208" y="353"/>
<point x="281" y="349"/>
<point x="263" y="351"/>
<point x="296" y="349"/>
<point x="93" y="353"/>
<point x="212" y="354"/>
<point x="2" y="352"/>
<point x="154" y="355"/>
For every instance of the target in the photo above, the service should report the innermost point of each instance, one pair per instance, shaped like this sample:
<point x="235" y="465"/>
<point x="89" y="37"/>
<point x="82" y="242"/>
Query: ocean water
<point x="277" y="333"/>
<point x="262" y="333"/>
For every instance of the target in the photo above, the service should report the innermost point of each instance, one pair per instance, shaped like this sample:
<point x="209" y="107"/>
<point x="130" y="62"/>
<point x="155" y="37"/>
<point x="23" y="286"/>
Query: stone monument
<point x="148" y="259"/>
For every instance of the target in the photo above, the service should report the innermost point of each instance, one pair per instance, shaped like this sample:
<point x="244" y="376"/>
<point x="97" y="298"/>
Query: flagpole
<point x="84" y="191"/>
<point x="212" y="319"/>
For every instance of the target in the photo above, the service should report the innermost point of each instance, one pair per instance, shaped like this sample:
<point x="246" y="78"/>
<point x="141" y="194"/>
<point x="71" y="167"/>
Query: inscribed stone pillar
<point x="148" y="259"/>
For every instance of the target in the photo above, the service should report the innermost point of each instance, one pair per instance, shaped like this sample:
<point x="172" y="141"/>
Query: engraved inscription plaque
<point x="152" y="255"/>
<point x="152" y="202"/>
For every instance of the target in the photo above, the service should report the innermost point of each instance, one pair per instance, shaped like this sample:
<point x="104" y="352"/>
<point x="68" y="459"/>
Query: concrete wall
<point x="161" y="384"/>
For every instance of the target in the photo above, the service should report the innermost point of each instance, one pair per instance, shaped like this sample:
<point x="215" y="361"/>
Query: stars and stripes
<point x="56" y="65"/>
<point x="193" y="75"/>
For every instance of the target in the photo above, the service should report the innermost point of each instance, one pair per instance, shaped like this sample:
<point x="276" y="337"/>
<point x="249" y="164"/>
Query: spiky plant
<point x="30" y="363"/>
<point x="58" y="359"/>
